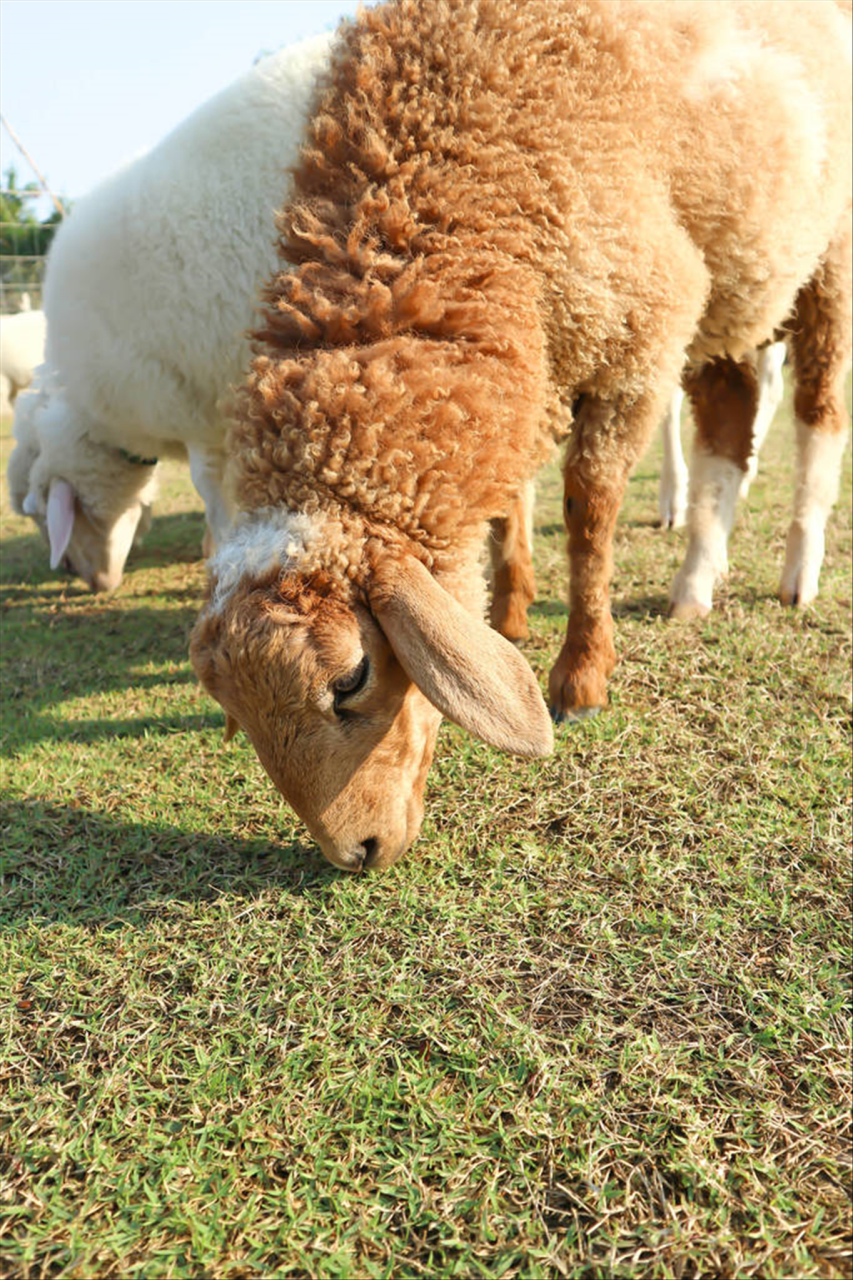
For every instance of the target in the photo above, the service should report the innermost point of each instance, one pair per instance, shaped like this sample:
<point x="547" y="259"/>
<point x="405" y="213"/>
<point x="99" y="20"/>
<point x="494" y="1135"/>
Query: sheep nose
<point x="371" y="851"/>
<point x="359" y="856"/>
<point x="101" y="581"/>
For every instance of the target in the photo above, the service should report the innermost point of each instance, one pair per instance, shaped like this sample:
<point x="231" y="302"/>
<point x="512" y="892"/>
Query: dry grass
<point x="594" y="1024"/>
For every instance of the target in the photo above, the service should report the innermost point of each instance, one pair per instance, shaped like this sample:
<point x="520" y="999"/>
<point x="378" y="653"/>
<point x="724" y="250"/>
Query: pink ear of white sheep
<point x="60" y="519"/>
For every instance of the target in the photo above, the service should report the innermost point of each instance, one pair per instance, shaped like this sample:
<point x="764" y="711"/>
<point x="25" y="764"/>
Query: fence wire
<point x="23" y="256"/>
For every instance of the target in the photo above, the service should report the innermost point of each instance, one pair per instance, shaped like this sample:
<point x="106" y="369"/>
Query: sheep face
<point x="342" y="701"/>
<point x="337" y="724"/>
<point x="92" y="546"/>
<point x="89" y="501"/>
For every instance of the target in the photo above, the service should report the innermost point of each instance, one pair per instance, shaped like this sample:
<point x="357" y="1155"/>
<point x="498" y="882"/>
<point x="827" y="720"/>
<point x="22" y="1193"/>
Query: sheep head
<point x="342" y="698"/>
<point x="89" y="502"/>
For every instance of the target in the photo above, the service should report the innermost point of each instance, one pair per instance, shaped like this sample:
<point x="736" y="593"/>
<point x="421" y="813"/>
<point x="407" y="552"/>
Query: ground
<point x="593" y="1024"/>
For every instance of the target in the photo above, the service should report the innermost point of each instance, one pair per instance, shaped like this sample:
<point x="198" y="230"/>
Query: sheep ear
<point x="468" y="671"/>
<point x="60" y="519"/>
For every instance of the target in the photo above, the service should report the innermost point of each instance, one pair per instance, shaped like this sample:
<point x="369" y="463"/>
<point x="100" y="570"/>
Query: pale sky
<point x="88" y="83"/>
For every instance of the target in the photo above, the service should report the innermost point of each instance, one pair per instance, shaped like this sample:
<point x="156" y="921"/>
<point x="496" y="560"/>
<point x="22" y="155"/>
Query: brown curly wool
<point x="414" y="362"/>
<point x="496" y="200"/>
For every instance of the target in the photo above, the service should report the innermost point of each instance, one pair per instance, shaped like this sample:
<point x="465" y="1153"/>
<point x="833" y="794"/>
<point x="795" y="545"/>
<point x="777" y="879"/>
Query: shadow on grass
<point x="173" y="539"/>
<point x="55" y="655"/>
<point x="656" y="606"/>
<point x="644" y="606"/>
<point x="66" y="865"/>
<point x="106" y="730"/>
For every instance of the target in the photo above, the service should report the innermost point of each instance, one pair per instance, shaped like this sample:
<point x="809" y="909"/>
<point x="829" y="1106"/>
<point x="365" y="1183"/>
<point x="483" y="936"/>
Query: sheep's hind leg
<point x="723" y="395"/>
<point x="771" y="389"/>
<point x="821" y="348"/>
<point x="513" y="583"/>
<point x="672" y="493"/>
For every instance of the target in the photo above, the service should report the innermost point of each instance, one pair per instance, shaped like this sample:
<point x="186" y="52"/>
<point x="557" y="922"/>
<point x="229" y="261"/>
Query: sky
<point x="86" y="84"/>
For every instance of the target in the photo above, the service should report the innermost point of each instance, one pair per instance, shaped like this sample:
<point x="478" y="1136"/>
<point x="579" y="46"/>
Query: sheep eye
<point x="352" y="683"/>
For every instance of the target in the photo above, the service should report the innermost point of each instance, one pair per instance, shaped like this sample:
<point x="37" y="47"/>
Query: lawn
<point x="593" y="1024"/>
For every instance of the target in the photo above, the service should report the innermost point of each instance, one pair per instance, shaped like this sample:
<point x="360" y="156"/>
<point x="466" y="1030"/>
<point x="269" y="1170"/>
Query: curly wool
<point x="496" y="201"/>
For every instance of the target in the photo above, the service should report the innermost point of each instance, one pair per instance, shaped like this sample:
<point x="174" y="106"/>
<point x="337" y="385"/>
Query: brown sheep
<point x="512" y="224"/>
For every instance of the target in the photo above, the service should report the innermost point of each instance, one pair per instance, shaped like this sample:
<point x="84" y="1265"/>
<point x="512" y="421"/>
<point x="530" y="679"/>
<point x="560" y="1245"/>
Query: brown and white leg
<point x="821" y="349"/>
<point x="771" y="389"/>
<point x="723" y="395"/>
<point x="513" y="582"/>
<point x="672" y="492"/>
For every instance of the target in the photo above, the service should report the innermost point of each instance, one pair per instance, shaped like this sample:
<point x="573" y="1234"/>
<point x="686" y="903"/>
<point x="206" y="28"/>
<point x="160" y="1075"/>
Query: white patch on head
<point x="271" y="538"/>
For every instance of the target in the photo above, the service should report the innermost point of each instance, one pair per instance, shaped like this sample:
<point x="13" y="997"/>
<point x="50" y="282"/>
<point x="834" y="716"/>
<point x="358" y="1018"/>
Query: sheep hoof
<point x="679" y="609"/>
<point x="673" y="520"/>
<point x="574" y="715"/>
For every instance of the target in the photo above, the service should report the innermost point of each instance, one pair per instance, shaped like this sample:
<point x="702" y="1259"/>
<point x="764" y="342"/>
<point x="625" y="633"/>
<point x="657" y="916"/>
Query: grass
<point x="594" y="1023"/>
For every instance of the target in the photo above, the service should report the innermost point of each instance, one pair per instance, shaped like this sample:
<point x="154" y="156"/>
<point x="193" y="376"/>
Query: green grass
<point x="593" y="1024"/>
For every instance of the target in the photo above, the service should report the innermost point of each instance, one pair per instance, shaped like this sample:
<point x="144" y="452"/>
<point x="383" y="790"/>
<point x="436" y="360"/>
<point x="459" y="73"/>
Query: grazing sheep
<point x="512" y="223"/>
<point x="21" y="350"/>
<point x="151" y="283"/>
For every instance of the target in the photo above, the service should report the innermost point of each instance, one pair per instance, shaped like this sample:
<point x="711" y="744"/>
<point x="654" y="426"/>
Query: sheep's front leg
<point x="578" y="683"/>
<point x="513" y="583"/>
<point x="206" y="469"/>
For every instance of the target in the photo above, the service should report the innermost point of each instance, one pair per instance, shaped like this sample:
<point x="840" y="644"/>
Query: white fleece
<point x="153" y="281"/>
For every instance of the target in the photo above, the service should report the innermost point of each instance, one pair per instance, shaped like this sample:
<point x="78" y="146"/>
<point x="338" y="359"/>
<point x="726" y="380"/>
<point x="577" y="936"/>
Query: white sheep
<point x="21" y="351"/>
<point x="151" y="284"/>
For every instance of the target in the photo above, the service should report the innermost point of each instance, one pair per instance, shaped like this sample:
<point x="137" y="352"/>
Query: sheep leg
<point x="577" y="684"/>
<point x="821" y="350"/>
<point x="723" y="394"/>
<point x="513" y="582"/>
<point x="771" y="389"/>
<point x="672" y="492"/>
<point x="206" y="469"/>
<point x="607" y="438"/>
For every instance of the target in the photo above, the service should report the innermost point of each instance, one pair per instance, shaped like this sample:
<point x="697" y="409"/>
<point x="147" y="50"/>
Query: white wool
<point x="263" y="540"/>
<point x="714" y="485"/>
<point x="21" y="350"/>
<point x="153" y="281"/>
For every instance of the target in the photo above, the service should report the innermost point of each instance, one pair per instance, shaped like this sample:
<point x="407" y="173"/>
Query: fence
<point x="23" y="253"/>
<point x="25" y="234"/>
